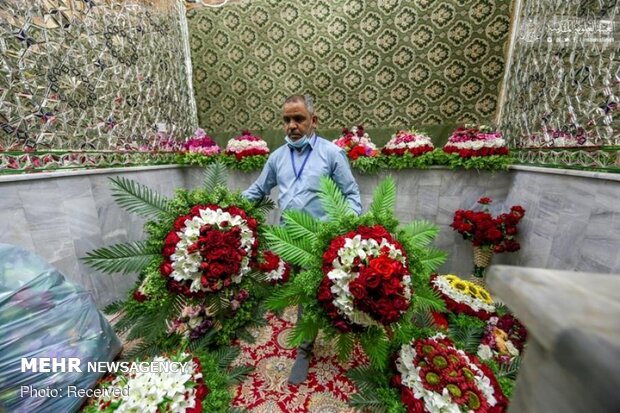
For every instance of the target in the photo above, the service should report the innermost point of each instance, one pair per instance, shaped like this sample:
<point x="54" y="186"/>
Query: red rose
<point x="440" y="320"/>
<point x="171" y="239"/>
<point x="400" y="303"/>
<point x="179" y="223"/>
<point x="370" y="278"/>
<point x="342" y="326"/>
<point x="391" y="286"/>
<point x="324" y="294"/>
<point x="357" y="289"/>
<point x="168" y="250"/>
<point x="166" y="268"/>
<point x="356" y="152"/>
<point x="139" y="296"/>
<point x="201" y="391"/>
<point x="494" y="235"/>
<point x="485" y="200"/>
<point x="383" y="265"/>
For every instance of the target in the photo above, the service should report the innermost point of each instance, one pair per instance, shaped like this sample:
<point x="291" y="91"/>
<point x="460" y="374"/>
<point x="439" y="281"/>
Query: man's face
<point x="297" y="120"/>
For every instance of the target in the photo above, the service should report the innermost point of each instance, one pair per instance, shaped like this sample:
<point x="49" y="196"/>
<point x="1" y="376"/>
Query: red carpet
<point x="266" y="390"/>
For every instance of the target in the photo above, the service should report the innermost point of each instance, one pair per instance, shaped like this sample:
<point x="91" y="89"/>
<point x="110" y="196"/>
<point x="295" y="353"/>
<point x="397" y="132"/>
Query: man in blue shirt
<point x="296" y="168"/>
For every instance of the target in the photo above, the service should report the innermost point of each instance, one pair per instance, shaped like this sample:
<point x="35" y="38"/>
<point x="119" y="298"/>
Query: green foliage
<point x="376" y="345"/>
<point x="421" y="232"/>
<point x="466" y="332"/>
<point x="215" y="175"/>
<point x="384" y="198"/>
<point x="306" y="329"/>
<point x="344" y="344"/>
<point x="139" y="199"/>
<point x="454" y="161"/>
<point x="197" y="159"/>
<point x="366" y="164"/>
<point x="283" y="297"/>
<point x="301" y="225"/>
<point x="247" y="163"/>
<point x="333" y="200"/>
<point x="427" y="299"/>
<point x="121" y="258"/>
<point x="295" y="251"/>
<point x="408" y="161"/>
<point x="431" y="258"/>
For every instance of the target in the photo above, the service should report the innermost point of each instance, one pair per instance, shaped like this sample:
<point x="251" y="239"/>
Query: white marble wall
<point x="571" y="223"/>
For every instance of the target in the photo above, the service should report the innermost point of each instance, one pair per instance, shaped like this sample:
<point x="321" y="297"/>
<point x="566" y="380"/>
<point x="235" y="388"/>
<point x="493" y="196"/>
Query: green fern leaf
<point x="301" y="225"/>
<point x="427" y="299"/>
<point x="367" y="402"/>
<point x="384" y="198"/>
<point x="283" y="298"/>
<point x="139" y="199"/>
<point x="466" y="337"/>
<point x="421" y="232"/>
<point x="306" y="329"/>
<point x="237" y="374"/>
<point x="432" y="258"/>
<point x="376" y="346"/>
<point x="333" y="200"/>
<point x="113" y="307"/>
<point x="294" y="251"/>
<point x="510" y="370"/>
<point x="365" y="378"/>
<point x="344" y="345"/>
<point x="121" y="258"/>
<point x="226" y="355"/>
<point x="215" y="175"/>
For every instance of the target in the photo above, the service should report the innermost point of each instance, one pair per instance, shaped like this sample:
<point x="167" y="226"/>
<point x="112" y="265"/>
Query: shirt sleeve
<point x="264" y="183"/>
<point x="343" y="177"/>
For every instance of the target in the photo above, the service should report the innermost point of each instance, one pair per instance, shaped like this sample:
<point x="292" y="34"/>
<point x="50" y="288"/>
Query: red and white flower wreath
<point x="209" y="249"/>
<point x="366" y="280"/>
<point x="437" y="377"/>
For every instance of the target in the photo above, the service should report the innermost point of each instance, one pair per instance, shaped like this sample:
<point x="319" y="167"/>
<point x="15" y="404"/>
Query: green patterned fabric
<point x="387" y="63"/>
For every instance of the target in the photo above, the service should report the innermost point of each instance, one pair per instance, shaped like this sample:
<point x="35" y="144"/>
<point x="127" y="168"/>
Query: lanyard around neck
<point x="303" y="164"/>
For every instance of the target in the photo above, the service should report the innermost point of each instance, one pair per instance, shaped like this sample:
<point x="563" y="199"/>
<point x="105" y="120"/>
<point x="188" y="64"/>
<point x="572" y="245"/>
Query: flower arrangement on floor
<point x="435" y="376"/>
<point x="196" y="267"/>
<point x="463" y="296"/>
<point x="478" y="147"/>
<point x="503" y="340"/>
<point x="359" y="148"/>
<point x="408" y="149"/>
<point x="487" y="233"/>
<point x="184" y="383"/>
<point x="199" y="149"/>
<point x="246" y="152"/>
<point x="362" y="278"/>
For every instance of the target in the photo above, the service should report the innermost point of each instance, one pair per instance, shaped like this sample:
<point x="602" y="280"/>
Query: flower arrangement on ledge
<point x="359" y="148"/>
<point x="408" y="149"/>
<point x="246" y="152"/>
<point x="182" y="381"/>
<point x="199" y="149"/>
<point x="479" y="147"/>
<point x="487" y="233"/>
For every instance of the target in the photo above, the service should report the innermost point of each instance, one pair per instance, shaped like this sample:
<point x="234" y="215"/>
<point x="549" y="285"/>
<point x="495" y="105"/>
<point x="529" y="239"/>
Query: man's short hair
<point x="305" y="99"/>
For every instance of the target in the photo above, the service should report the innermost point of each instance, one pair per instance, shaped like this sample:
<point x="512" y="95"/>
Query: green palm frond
<point x="264" y="205"/>
<point x="375" y="343"/>
<point x="139" y="199"/>
<point x="365" y="378"/>
<point x="215" y="175"/>
<point x="113" y="307"/>
<point x="431" y="258"/>
<point x="424" y="319"/>
<point x="226" y="355"/>
<point x="237" y="374"/>
<point x="427" y="299"/>
<point x="384" y="198"/>
<point x="284" y="297"/>
<point x="144" y="349"/>
<point x="301" y="225"/>
<point x="367" y="402"/>
<point x="421" y="232"/>
<point x="333" y="200"/>
<point x="466" y="337"/>
<point x="295" y="251"/>
<point x="344" y="345"/>
<point x="124" y="258"/>
<point x="306" y="329"/>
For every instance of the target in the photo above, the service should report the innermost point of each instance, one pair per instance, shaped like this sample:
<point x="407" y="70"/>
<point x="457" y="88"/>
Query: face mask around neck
<point x="299" y="143"/>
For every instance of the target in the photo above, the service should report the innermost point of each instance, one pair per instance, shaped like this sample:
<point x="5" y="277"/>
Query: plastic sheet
<point x="44" y="316"/>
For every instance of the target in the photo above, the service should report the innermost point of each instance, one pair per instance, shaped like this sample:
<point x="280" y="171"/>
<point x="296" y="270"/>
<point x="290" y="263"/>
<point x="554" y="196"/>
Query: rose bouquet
<point x="435" y="376"/>
<point x="359" y="148"/>
<point x="199" y="149"/>
<point x="503" y="340"/>
<point x="478" y="147"/>
<point x="246" y="152"/>
<point x="408" y="149"/>
<point x="178" y="382"/>
<point x="196" y="267"/>
<point x="362" y="276"/>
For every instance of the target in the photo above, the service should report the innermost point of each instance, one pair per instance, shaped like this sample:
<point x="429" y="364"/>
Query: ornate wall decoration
<point x="562" y="95"/>
<point x="92" y="75"/>
<point x="386" y="63"/>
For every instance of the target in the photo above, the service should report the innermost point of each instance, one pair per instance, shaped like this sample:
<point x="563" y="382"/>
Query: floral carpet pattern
<point x="266" y="390"/>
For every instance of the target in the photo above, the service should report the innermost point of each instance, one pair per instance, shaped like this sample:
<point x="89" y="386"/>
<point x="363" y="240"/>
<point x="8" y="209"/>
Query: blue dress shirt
<point x="323" y="159"/>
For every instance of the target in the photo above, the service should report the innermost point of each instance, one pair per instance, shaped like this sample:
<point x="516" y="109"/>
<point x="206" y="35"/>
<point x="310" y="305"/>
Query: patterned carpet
<point x="266" y="390"/>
